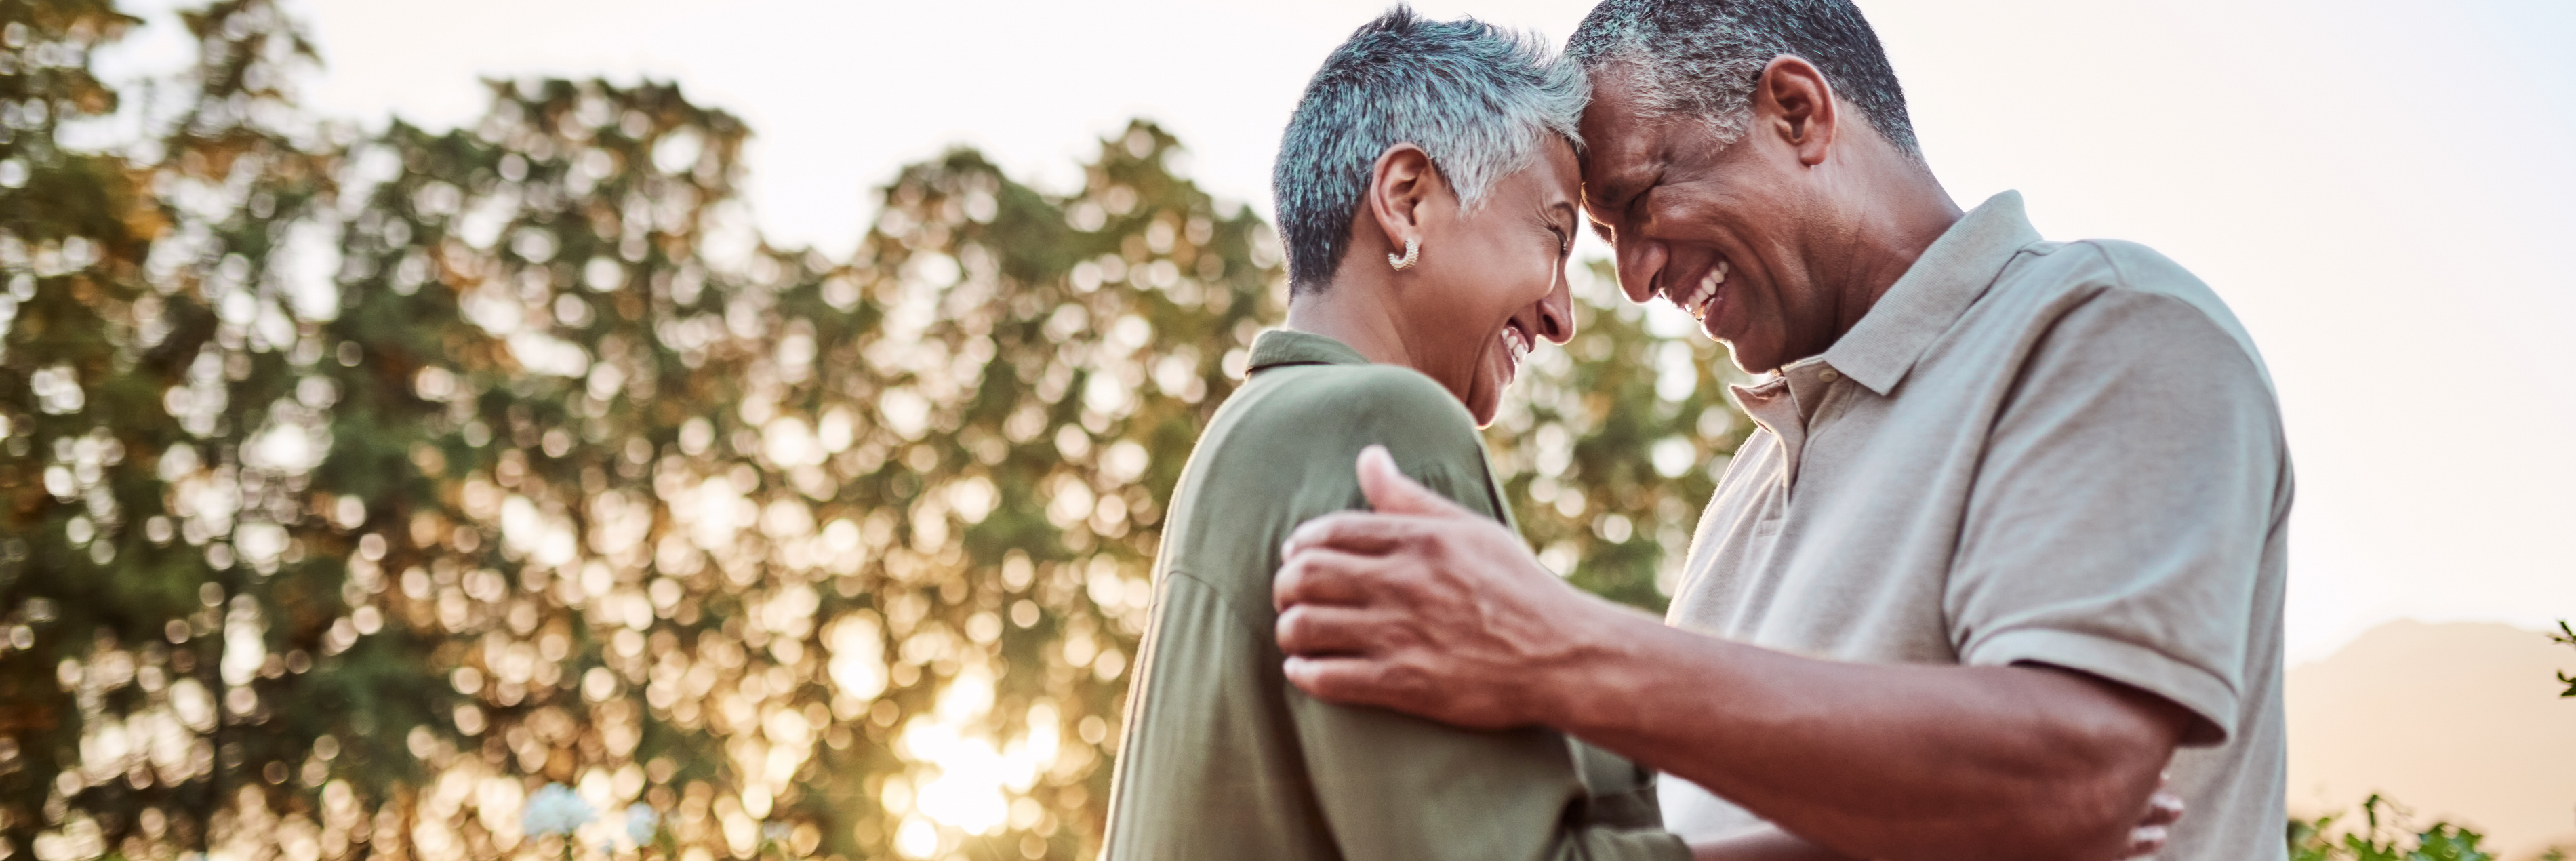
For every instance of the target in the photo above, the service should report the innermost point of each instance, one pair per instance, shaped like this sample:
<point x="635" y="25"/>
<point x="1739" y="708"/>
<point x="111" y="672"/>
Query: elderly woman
<point x="1428" y="195"/>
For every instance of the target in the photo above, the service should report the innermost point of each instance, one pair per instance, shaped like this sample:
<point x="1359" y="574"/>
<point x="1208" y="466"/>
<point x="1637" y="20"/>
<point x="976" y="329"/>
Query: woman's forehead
<point x="1555" y="170"/>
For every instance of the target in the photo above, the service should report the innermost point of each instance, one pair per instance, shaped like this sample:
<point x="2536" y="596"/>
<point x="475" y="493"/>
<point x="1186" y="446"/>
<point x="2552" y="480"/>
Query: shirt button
<point x="1830" y="375"/>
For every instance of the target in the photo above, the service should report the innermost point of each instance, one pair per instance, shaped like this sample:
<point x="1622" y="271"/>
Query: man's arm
<point x="1769" y="843"/>
<point x="1436" y="612"/>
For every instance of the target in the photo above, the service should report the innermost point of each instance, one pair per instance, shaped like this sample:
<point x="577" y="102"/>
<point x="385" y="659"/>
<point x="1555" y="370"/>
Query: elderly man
<point x="2006" y="549"/>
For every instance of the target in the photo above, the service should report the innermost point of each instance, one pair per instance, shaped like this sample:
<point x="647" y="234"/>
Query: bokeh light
<point x="361" y="486"/>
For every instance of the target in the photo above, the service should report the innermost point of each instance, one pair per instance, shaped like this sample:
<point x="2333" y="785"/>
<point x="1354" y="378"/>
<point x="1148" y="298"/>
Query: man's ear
<point x="1401" y="182"/>
<point x="1793" y="103"/>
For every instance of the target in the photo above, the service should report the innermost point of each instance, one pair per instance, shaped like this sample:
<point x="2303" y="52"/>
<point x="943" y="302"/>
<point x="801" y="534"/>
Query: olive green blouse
<point x="1222" y="759"/>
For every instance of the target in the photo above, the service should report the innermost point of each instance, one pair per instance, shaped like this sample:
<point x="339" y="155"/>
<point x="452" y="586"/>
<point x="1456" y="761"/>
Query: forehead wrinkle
<point x="1622" y="187"/>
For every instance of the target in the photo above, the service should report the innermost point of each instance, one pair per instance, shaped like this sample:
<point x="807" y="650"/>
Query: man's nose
<point x="1638" y="261"/>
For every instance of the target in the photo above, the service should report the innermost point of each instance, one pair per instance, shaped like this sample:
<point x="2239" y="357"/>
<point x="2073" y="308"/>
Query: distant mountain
<point x="2455" y="721"/>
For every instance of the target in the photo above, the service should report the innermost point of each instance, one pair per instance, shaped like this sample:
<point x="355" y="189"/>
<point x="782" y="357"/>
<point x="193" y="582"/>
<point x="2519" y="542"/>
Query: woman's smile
<point x="1516" y="349"/>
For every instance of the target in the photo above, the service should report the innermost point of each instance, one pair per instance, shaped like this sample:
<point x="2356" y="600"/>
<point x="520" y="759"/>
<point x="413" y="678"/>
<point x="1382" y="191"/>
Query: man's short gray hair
<point x="1701" y="58"/>
<point x="1478" y="99"/>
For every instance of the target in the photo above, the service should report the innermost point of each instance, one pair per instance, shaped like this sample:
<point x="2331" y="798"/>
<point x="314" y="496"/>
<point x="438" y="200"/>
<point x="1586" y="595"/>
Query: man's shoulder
<point x="2125" y="294"/>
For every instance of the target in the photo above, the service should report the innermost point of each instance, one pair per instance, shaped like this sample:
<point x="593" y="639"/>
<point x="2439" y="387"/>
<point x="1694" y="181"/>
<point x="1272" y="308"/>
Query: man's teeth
<point x="1695" y="300"/>
<point x="1517" y="343"/>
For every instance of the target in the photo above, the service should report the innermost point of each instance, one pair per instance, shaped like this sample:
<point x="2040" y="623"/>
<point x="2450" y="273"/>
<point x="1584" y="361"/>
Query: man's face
<point x="1718" y="230"/>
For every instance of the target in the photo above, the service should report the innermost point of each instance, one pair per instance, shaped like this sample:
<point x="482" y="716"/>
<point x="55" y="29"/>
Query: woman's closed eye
<point x="1560" y="221"/>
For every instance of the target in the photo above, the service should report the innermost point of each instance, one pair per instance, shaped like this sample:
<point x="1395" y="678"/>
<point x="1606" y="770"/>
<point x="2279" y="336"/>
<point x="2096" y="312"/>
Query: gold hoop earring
<point x="1412" y="254"/>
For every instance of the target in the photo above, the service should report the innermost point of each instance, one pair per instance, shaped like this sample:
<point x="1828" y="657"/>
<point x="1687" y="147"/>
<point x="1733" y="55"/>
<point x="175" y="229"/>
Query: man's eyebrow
<point x="1618" y="191"/>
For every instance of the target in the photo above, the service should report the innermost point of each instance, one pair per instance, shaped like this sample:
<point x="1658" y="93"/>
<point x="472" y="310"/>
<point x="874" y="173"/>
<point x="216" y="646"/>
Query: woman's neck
<point x="1356" y="315"/>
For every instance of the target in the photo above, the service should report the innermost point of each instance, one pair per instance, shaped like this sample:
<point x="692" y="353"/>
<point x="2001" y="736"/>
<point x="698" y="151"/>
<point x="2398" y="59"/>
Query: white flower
<point x="640" y="823"/>
<point x="555" y="809"/>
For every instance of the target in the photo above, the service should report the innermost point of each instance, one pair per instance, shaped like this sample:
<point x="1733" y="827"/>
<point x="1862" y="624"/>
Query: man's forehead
<point x="1616" y="144"/>
<point x="1613" y="167"/>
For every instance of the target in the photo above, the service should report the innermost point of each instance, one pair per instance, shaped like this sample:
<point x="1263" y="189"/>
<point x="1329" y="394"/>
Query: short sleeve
<point x="2117" y="524"/>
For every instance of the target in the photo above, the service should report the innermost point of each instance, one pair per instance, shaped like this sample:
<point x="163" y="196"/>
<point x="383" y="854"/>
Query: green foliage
<point x="2567" y="636"/>
<point x="2381" y="838"/>
<point x="353" y="487"/>
<point x="2384" y="836"/>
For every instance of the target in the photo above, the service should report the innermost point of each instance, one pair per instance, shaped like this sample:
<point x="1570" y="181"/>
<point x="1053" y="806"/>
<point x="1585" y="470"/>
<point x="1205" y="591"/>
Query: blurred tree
<point x="1610" y="446"/>
<point x="358" y="486"/>
<point x="2567" y="636"/>
<point x="2384" y="836"/>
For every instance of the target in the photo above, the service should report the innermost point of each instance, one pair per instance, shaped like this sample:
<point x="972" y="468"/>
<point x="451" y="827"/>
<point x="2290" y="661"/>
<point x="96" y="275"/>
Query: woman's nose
<point x="1556" y="315"/>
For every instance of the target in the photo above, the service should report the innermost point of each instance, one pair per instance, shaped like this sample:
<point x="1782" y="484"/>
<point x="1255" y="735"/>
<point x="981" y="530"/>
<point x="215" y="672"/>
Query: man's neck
<point x="1356" y="314"/>
<point x="1905" y="210"/>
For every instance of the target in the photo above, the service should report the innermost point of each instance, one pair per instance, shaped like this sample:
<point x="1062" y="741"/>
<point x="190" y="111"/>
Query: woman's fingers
<point x="2163" y="810"/>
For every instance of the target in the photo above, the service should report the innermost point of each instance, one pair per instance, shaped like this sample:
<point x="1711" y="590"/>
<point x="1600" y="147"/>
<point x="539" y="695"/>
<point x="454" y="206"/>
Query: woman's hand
<point x="2163" y="810"/>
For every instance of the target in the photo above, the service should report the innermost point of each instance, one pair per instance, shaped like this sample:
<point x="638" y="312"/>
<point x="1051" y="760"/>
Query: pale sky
<point x="2376" y="187"/>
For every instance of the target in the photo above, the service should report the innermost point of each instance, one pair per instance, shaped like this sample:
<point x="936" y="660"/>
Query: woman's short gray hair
<point x="1478" y="99"/>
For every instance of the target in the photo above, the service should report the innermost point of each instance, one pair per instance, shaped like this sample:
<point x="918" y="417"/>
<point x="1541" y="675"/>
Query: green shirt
<point x="1222" y="759"/>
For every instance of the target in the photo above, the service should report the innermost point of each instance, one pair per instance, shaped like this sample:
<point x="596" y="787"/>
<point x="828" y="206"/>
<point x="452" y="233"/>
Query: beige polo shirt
<point x="2061" y="453"/>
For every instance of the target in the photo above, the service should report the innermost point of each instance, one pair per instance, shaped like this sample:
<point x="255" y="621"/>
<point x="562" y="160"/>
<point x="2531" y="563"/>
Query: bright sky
<point x="2373" y="185"/>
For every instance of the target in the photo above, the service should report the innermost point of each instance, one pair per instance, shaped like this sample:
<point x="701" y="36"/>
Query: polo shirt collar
<point x="1932" y="294"/>
<point x="1290" y="347"/>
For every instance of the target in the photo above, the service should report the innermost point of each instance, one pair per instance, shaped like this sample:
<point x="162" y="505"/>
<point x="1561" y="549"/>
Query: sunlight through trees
<point x="362" y="490"/>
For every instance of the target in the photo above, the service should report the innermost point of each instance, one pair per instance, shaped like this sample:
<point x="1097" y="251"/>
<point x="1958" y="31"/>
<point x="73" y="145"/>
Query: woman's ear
<point x="1401" y="182"/>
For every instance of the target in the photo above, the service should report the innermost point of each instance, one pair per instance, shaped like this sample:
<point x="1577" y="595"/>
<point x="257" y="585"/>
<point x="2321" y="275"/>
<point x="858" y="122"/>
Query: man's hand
<point x="1427" y="609"/>
<point x="1424" y="607"/>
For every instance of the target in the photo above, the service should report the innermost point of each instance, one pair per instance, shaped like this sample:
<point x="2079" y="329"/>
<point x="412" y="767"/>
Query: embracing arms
<point x="2114" y="569"/>
<point x="1446" y="616"/>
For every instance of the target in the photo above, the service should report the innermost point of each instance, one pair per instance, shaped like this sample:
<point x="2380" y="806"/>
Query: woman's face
<point x="1490" y="284"/>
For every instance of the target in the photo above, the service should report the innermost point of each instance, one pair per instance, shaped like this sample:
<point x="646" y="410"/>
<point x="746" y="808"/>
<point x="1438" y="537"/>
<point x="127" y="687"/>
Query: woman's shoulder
<point x="1304" y="425"/>
<point x="1285" y="448"/>
<point x="1390" y="404"/>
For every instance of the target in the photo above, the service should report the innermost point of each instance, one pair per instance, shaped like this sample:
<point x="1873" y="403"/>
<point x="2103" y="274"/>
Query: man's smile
<point x="1697" y="297"/>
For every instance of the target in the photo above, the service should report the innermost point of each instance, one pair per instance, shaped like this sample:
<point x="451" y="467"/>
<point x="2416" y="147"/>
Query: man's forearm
<point x="1897" y="762"/>
<point x="1768" y="844"/>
